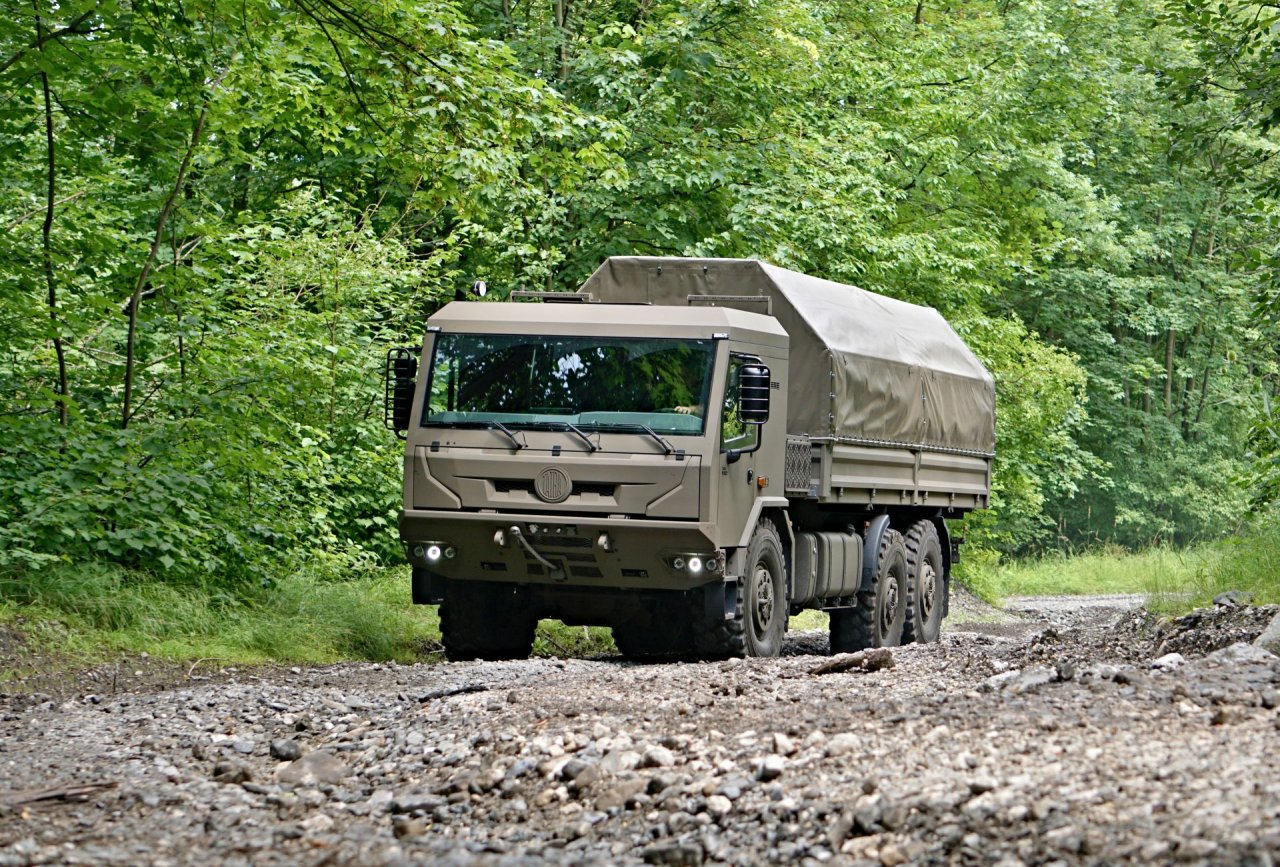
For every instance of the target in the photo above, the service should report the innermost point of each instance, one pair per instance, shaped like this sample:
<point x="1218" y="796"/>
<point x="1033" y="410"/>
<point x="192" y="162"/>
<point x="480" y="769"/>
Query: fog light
<point x="712" y="564"/>
<point x="678" y="563"/>
<point x="695" y="565"/>
<point x="450" y="552"/>
<point x="419" y="551"/>
<point x="433" y="553"/>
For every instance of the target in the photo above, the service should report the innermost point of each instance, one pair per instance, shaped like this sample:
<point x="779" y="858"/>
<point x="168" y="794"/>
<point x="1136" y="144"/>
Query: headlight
<point x="434" y="553"/>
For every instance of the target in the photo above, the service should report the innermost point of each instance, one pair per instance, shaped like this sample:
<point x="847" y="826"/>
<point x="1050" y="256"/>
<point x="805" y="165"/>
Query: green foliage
<point x="1250" y="562"/>
<point x="228" y="211"/>
<point x="1158" y="572"/>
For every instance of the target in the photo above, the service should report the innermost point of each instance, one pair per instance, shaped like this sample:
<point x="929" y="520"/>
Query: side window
<point x="735" y="433"/>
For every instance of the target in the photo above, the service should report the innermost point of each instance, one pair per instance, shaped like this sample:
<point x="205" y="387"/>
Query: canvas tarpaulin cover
<point x="865" y="368"/>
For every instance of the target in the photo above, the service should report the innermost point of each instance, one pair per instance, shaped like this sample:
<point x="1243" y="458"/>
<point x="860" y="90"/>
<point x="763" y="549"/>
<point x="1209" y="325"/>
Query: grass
<point x="1155" y="571"/>
<point x="87" y="613"/>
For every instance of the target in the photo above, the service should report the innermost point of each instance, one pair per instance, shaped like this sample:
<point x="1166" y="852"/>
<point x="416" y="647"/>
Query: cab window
<point x="735" y="433"/>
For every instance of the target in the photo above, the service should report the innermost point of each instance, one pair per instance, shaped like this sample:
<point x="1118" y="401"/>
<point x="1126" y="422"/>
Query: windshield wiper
<point x="506" y="430"/>
<point x="667" y="447"/>
<point x="586" y="439"/>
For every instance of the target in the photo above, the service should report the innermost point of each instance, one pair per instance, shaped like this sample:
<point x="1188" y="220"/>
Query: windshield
<point x="592" y="383"/>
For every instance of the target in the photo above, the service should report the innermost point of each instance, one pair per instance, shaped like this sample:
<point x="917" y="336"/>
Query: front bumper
<point x="633" y="553"/>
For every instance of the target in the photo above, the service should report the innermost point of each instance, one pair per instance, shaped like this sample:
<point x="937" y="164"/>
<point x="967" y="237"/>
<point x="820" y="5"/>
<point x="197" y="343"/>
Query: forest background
<point x="218" y="214"/>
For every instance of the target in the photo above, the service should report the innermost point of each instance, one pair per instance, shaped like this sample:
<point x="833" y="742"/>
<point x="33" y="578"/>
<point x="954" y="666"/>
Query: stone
<point x="317" y="824"/>
<point x="838" y="745"/>
<point x="719" y="805"/>
<point x="1242" y="654"/>
<point x="1233" y="599"/>
<point x="231" y="772"/>
<point x="657" y="757"/>
<point x="286" y="749"/>
<point x="770" y="768"/>
<point x="620" y="794"/>
<point x="317" y="768"/>
<point x="1269" y="640"/>
<point x="783" y="745"/>
<point x="674" y="855"/>
<point x="408" y="826"/>
<point x="1169" y="662"/>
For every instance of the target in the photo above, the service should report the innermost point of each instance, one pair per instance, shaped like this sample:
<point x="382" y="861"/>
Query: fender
<point x="871" y="551"/>
<point x="757" y="508"/>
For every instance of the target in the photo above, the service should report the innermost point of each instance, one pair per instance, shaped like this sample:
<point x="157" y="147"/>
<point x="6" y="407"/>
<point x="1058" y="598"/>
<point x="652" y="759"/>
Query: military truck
<point x="688" y="451"/>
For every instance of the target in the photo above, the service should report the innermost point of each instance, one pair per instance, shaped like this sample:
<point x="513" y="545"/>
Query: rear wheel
<point x="926" y="587"/>
<point x="878" y="617"/>
<point x="485" y="620"/>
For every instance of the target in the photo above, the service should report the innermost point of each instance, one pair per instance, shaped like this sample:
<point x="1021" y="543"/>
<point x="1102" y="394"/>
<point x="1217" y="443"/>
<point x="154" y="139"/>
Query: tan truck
<point x="688" y="451"/>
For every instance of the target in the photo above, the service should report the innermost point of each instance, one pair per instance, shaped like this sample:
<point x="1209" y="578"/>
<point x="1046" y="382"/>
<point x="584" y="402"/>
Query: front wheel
<point x="764" y="603"/>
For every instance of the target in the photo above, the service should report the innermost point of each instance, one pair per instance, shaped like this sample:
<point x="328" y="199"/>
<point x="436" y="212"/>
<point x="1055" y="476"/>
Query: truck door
<point x="737" y="459"/>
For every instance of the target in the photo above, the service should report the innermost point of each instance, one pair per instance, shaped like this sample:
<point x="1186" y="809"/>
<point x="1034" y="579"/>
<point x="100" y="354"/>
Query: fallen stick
<point x="453" y="690"/>
<point x="55" y="793"/>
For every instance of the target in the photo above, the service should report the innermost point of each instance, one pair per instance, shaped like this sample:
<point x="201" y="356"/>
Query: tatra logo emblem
<point x="553" y="485"/>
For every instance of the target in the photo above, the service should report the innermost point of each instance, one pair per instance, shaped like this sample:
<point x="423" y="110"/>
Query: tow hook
<point x="557" y="574"/>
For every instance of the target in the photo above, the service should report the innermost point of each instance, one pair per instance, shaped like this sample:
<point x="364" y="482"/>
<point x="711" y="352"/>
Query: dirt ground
<point x="1067" y="731"/>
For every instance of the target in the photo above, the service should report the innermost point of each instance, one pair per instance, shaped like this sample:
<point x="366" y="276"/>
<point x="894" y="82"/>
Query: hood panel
<point x="655" y="486"/>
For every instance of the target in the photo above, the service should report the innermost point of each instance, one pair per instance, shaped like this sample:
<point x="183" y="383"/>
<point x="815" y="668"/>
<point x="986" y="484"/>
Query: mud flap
<point x="721" y="600"/>
<point x="428" y="588"/>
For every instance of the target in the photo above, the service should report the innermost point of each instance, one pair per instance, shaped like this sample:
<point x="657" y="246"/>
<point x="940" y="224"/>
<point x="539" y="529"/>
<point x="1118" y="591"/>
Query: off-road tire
<point x="485" y="620"/>
<point x="877" y="619"/>
<point x="926" y="584"/>
<point x="760" y="622"/>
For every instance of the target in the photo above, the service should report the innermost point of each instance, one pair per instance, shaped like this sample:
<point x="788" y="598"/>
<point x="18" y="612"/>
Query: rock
<point x="1001" y="680"/>
<point x="286" y="749"/>
<point x="1169" y="662"/>
<point x="242" y="746"/>
<point x="770" y="768"/>
<point x="620" y="794"/>
<point x="1269" y="640"/>
<point x="657" y="757"/>
<point x="317" y="824"/>
<point x="674" y="855"/>
<point x="838" y="745"/>
<point x="719" y="805"/>
<point x="1233" y="599"/>
<point x="317" y="768"/>
<point x="231" y="772"/>
<point x="1241" y="653"/>
<point x="407" y="826"/>
<point x="892" y="855"/>
<point x="783" y="745"/>
<point x="620" y="760"/>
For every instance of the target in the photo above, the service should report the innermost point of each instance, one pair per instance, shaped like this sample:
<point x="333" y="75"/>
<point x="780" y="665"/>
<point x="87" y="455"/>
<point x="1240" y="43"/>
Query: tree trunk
<point x="1169" y="342"/>
<point x="144" y="274"/>
<point x="46" y="231"/>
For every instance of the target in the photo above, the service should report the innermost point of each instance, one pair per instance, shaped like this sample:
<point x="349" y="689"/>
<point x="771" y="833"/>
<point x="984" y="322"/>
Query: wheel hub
<point x="928" y="590"/>
<point x="887" y="612"/>
<point x="762" y="611"/>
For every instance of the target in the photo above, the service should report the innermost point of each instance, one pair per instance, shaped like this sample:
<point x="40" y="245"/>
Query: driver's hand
<point x="696" y="409"/>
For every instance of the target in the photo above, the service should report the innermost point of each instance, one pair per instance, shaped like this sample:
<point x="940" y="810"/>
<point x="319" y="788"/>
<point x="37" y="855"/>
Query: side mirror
<point x="753" y="394"/>
<point x="401" y="375"/>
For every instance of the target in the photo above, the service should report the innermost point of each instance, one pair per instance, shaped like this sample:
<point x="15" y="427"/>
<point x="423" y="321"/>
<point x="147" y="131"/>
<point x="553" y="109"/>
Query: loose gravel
<point x="1076" y="740"/>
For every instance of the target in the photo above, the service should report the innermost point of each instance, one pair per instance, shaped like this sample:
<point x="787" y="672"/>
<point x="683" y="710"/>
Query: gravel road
<point x="1078" y="738"/>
